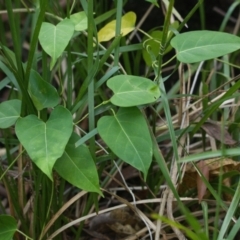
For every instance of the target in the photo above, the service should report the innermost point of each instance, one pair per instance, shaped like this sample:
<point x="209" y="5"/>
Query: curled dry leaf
<point x="201" y="187"/>
<point x="216" y="131"/>
<point x="216" y="166"/>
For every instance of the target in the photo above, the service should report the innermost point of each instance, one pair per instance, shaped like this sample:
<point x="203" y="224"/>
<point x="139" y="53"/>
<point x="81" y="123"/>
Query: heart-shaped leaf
<point x="109" y="30"/>
<point x="77" y="166"/>
<point x="9" y="112"/>
<point x="198" y="46"/>
<point x="8" y="226"/>
<point x="132" y="90"/>
<point x="127" y="135"/>
<point x="45" y="142"/>
<point x="43" y="94"/>
<point x="54" y="39"/>
<point x="79" y="20"/>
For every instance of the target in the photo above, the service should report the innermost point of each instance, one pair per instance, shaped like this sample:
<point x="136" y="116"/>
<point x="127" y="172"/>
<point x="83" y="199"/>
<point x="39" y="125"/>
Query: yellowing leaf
<point x="127" y="25"/>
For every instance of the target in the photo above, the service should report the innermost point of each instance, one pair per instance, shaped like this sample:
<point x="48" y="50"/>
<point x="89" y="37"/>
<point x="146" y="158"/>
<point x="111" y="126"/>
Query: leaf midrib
<point x="204" y="46"/>
<point x="130" y="141"/>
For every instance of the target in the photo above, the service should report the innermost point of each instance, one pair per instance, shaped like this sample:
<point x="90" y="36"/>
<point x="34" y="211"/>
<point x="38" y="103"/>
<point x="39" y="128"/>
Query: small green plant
<point x="46" y="119"/>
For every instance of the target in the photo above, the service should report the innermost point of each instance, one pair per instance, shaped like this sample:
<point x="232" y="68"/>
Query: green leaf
<point x="132" y="90"/>
<point x="234" y="230"/>
<point x="54" y="39"/>
<point x="226" y="225"/>
<point x="192" y="235"/>
<point x="77" y="166"/>
<point x="127" y="25"/>
<point x="4" y="66"/>
<point x="8" y="227"/>
<point x="198" y="46"/>
<point x="127" y="135"/>
<point x="152" y="46"/>
<point x="45" y="142"/>
<point x="9" y="112"/>
<point x="79" y="20"/>
<point x="43" y="94"/>
<point x="9" y="57"/>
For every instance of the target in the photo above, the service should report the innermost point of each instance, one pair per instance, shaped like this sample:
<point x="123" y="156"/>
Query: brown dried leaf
<point x="201" y="187"/>
<point x="214" y="130"/>
<point x="216" y="166"/>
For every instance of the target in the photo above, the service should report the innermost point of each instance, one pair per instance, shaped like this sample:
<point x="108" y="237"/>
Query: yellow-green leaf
<point x="127" y="25"/>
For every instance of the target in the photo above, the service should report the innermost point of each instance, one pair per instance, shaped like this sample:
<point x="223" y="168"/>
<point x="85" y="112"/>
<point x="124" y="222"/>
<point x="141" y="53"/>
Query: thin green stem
<point x="69" y="78"/>
<point x="34" y="40"/>
<point x="85" y="116"/>
<point x="10" y="165"/>
<point x="90" y="51"/>
<point x="31" y="10"/>
<point x="109" y="50"/>
<point x="164" y="37"/>
<point x="2" y="32"/>
<point x="69" y="67"/>
<point x="190" y="14"/>
<point x="202" y="16"/>
<point x="48" y="210"/>
<point x="27" y="237"/>
<point x="17" y="50"/>
<point x="72" y="7"/>
<point x="118" y="30"/>
<point x="228" y="63"/>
